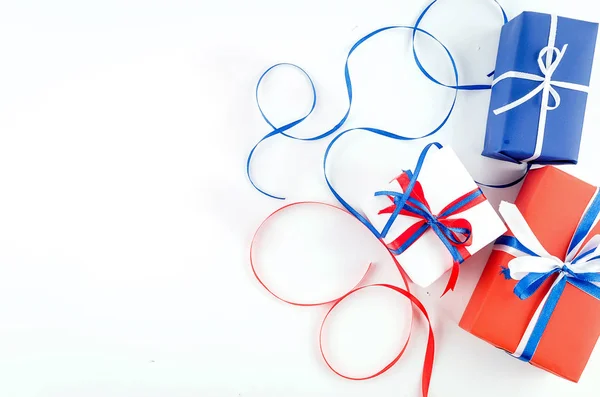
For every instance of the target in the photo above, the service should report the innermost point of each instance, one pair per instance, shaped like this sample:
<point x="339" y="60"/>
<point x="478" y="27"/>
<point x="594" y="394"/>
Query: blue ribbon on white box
<point x="533" y="265"/>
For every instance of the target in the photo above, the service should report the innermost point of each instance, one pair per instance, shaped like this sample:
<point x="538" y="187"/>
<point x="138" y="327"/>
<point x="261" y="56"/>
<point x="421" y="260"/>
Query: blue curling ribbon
<point x="387" y="134"/>
<point x="471" y="87"/>
<point x="282" y="130"/>
<point x="405" y="197"/>
<point x="586" y="223"/>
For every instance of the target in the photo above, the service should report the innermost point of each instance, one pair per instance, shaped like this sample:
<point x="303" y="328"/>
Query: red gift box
<point x="552" y="202"/>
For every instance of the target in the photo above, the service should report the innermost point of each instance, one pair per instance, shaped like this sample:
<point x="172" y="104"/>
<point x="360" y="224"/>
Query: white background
<point x="126" y="215"/>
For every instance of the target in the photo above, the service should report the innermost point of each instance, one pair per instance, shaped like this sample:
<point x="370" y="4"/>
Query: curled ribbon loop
<point x="282" y="130"/>
<point x="467" y="87"/>
<point x="532" y="266"/>
<point x="429" y="354"/>
<point x="456" y="86"/>
<point x="544" y="58"/>
<point x="256" y="273"/>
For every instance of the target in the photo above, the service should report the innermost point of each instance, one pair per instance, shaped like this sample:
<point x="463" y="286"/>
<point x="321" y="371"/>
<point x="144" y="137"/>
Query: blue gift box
<point x="540" y="89"/>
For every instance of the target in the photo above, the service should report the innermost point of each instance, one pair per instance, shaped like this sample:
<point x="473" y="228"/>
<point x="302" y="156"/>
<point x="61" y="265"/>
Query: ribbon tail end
<point x="453" y="279"/>
<point x="448" y="289"/>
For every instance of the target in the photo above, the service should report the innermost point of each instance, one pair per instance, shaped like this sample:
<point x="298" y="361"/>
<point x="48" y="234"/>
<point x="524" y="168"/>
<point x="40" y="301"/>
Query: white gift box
<point x="443" y="179"/>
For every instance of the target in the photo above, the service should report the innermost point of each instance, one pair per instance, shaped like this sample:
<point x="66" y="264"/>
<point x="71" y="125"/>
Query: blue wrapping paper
<point x="513" y="134"/>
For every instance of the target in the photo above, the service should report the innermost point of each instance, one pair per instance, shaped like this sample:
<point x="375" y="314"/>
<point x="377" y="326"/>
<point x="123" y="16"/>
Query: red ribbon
<point x="429" y="353"/>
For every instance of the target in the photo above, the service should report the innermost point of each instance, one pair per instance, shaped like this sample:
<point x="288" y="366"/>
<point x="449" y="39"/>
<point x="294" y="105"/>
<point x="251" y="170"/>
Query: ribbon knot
<point x="565" y="269"/>
<point x="455" y="233"/>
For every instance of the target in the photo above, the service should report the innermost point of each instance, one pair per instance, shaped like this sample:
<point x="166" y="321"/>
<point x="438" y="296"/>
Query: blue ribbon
<point x="585" y="224"/>
<point x="400" y="200"/>
<point x="282" y="130"/>
<point x="471" y="87"/>
<point x="429" y="76"/>
<point x="392" y="135"/>
<point x="400" y="203"/>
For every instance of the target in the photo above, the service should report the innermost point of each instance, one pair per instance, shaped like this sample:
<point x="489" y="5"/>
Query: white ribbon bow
<point x="547" y="67"/>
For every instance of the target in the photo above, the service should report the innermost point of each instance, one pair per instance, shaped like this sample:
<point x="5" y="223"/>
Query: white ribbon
<point x="547" y="68"/>
<point x="523" y="264"/>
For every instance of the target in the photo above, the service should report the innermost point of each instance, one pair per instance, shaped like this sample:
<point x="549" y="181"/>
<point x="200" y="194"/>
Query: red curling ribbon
<point x="265" y="285"/>
<point x="430" y="351"/>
